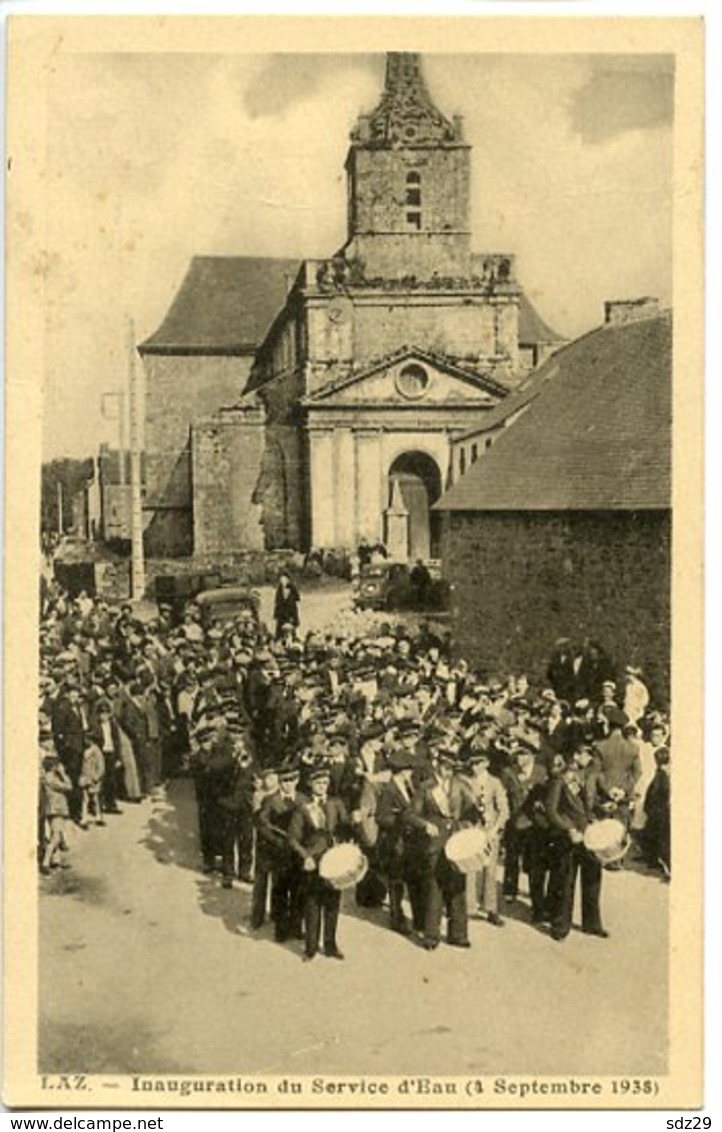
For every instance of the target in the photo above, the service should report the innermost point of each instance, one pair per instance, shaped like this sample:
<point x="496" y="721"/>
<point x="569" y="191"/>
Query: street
<point x="148" y="966"/>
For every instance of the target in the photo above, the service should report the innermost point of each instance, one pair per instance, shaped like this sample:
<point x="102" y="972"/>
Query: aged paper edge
<point x="34" y="42"/>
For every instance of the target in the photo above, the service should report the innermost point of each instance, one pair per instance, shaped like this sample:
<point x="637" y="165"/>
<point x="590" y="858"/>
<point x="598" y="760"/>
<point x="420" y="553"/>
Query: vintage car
<point x="174" y="591"/>
<point x="383" y="585"/>
<point x="388" y="585"/>
<point x="226" y="603"/>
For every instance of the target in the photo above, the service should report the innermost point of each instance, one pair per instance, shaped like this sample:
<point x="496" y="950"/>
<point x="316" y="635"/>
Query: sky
<point x="155" y="158"/>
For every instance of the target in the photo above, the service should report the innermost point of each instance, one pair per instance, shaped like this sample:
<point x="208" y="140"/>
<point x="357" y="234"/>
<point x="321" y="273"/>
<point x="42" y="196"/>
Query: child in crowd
<point x="55" y="786"/>
<point x="90" y="782"/>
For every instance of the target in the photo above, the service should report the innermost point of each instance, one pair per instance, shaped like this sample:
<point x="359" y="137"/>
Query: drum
<point x="343" y="866"/>
<point x="607" y="840"/>
<point x="468" y="850"/>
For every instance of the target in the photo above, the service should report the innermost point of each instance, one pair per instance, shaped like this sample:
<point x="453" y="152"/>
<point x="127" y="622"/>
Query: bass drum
<point x="607" y="840"/>
<point x="468" y="850"/>
<point x="343" y="866"/>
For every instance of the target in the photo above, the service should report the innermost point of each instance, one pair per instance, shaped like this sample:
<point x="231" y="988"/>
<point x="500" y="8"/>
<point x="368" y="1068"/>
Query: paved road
<point x="149" y="966"/>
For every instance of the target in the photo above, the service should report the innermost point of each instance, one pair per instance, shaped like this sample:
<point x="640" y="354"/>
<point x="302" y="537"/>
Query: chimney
<point x="617" y="312"/>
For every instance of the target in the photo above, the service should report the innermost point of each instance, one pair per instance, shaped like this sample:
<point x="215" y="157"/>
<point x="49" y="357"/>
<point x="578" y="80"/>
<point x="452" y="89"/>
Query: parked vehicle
<point x="387" y="585"/>
<point x="226" y="603"/>
<point x="175" y="591"/>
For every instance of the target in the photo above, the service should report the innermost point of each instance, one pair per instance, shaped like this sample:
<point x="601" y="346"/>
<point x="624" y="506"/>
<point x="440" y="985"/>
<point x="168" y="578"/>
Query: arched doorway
<point x="414" y="486"/>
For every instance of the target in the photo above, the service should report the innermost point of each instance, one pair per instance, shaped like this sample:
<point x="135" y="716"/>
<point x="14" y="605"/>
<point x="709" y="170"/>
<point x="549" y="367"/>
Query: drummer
<point x="274" y="818"/>
<point x="568" y="815"/>
<point x="438" y="809"/>
<point x="318" y="823"/>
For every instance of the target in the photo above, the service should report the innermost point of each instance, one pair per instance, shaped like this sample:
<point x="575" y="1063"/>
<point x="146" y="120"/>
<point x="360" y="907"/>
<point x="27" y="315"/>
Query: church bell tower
<point x="408" y="172"/>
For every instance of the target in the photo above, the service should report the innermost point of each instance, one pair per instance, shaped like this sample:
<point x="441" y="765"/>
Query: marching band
<point x="366" y="761"/>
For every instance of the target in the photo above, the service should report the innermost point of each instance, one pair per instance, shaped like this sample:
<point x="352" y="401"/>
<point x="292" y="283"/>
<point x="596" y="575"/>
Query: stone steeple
<point x="408" y="172"/>
<point x="406" y="115"/>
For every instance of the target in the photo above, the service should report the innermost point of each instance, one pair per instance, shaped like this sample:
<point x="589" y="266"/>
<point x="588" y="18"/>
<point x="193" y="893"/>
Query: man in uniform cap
<point x="316" y="824"/>
<point x="397" y="841"/>
<point x="204" y="738"/>
<point x="569" y="815"/>
<point x="438" y="808"/>
<point x="272" y="825"/>
<point x="520" y="779"/>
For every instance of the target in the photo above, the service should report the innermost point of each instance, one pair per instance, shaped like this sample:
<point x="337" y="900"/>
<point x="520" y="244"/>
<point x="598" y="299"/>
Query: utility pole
<point x="122" y="441"/>
<point x="61" y="526"/>
<point x="136" y="506"/>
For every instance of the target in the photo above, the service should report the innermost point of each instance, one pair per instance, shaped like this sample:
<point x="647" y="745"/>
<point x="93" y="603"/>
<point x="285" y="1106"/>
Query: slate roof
<point x="598" y="435"/>
<point x="532" y="327"/>
<point x="225" y="305"/>
<point x="515" y="400"/>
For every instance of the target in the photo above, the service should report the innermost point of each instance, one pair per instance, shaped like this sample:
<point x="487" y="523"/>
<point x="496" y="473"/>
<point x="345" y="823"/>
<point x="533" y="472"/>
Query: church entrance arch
<point x="414" y="485"/>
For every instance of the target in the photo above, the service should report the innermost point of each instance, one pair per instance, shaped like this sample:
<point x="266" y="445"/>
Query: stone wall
<point x="179" y="390"/>
<point x="282" y="489"/>
<point x="365" y="328"/>
<point x="521" y="580"/>
<point x="450" y="327"/>
<point x="227" y="452"/>
<point x="380" y="182"/>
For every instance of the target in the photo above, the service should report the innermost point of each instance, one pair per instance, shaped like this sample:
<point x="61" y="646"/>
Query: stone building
<point x="562" y="527"/>
<point x="311" y="404"/>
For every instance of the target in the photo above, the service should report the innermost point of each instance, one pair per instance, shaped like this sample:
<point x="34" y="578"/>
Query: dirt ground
<point x="148" y="966"/>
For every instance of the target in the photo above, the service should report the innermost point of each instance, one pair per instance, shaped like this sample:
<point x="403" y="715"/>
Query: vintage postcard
<point x="353" y="574"/>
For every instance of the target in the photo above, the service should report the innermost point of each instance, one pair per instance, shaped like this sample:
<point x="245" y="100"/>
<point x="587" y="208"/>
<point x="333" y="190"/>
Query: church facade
<point x="372" y="362"/>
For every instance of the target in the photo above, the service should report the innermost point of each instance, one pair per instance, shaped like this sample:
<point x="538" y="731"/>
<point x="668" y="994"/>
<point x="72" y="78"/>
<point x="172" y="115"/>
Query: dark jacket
<point x="272" y="824"/>
<point x="285" y="606"/>
<point x="96" y="732"/>
<point x="310" y="838"/>
<point x="446" y="812"/>
<point x="565" y="811"/>
<point x="397" y="830"/>
<point x="519" y="791"/>
<point x="68" y="732"/>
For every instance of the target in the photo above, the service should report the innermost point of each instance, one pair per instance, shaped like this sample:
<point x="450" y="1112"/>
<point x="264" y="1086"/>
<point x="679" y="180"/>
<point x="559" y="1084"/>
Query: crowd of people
<point x="298" y="742"/>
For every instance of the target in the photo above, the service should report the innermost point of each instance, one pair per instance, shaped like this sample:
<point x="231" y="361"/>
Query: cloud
<point x="286" y="80"/>
<point x="153" y="160"/>
<point x="616" y="98"/>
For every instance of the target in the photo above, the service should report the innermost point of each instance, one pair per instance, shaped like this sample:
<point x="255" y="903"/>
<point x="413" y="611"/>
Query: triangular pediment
<point x="410" y="377"/>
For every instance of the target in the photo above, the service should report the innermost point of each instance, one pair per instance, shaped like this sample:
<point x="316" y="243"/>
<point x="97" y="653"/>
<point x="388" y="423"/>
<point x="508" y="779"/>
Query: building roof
<point x="516" y="400"/>
<point x="225" y="305"/>
<point x="597" y="436"/>
<point x="532" y="327"/>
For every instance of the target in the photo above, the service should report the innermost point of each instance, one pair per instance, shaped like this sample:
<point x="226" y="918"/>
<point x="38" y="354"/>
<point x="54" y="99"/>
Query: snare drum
<point x="607" y="840"/>
<point x="343" y="866"/>
<point x="468" y="850"/>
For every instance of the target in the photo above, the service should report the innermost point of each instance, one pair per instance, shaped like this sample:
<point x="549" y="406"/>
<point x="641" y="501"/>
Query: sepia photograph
<point x="362" y="366"/>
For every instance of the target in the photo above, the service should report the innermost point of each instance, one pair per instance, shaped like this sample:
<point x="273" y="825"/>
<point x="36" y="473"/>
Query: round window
<point x="412" y="382"/>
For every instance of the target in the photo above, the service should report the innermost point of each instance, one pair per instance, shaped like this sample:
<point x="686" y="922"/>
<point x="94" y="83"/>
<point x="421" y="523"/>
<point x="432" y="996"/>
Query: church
<point x="309" y="404"/>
